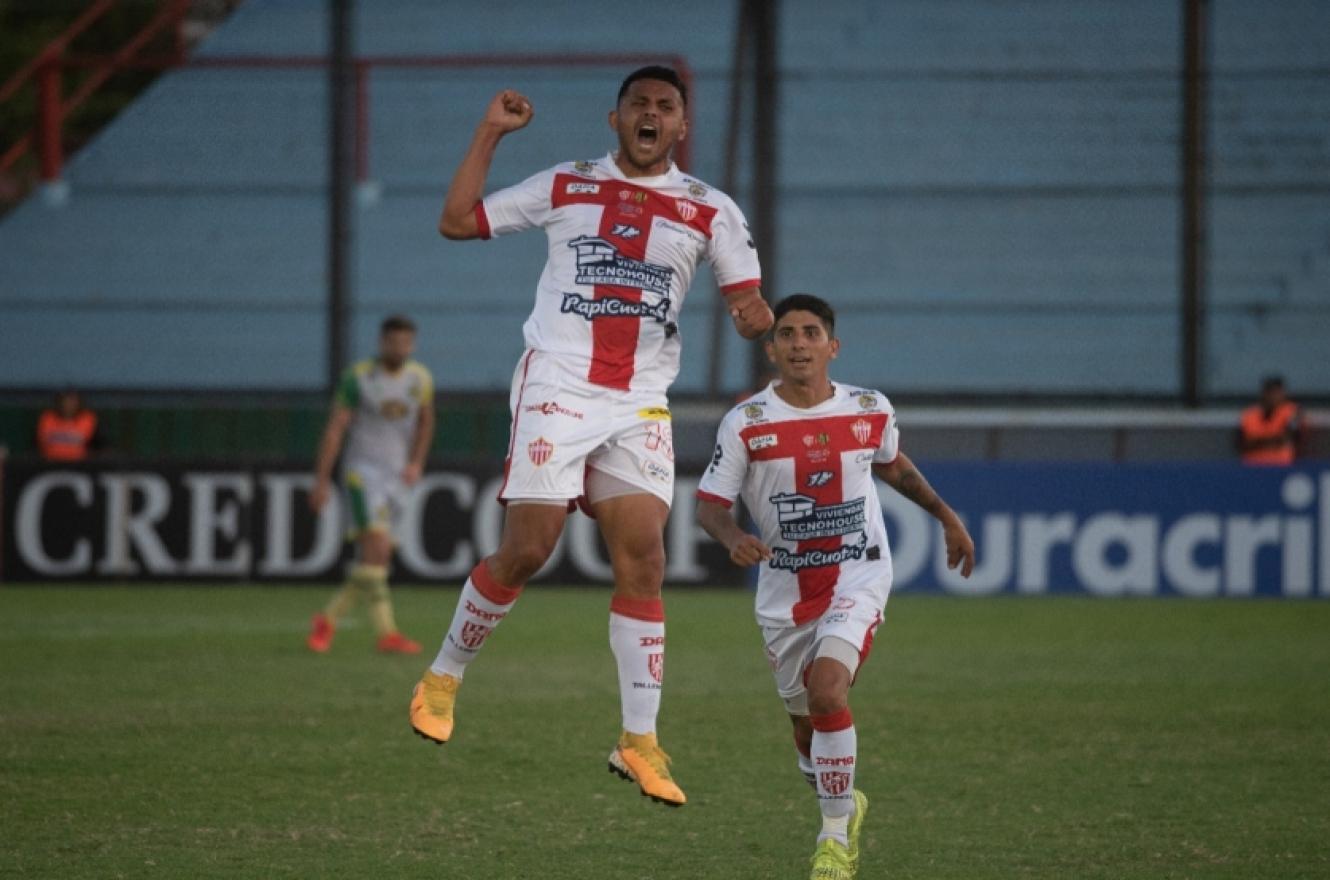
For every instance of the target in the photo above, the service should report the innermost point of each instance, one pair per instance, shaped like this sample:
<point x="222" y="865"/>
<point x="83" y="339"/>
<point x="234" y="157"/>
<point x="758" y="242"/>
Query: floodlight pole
<point x="1193" y="209"/>
<point x="765" y="21"/>
<point x="341" y="171"/>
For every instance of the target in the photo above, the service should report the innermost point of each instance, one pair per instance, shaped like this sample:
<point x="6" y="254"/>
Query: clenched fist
<point x="509" y="111"/>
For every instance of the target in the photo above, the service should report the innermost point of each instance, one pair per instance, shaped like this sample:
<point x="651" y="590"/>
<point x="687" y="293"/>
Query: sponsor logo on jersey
<point x="784" y="560"/>
<point x="613" y="307"/>
<point x="473" y="634"/>
<point x="687" y="210"/>
<point x="820" y="478"/>
<point x="553" y="408"/>
<point x="626" y="231"/>
<point x="654" y="413"/>
<point x="817" y="439"/>
<point x="802" y="518"/>
<point x="629" y="195"/>
<point x="863" y="458"/>
<point x="842" y="603"/>
<point x="818" y="454"/>
<point x="862" y="430"/>
<point x="762" y="441"/>
<point x="833" y="782"/>
<point x="656" y="666"/>
<point x="678" y="229"/>
<point x="660" y="438"/>
<point x="599" y="262"/>
<point x="582" y="166"/>
<point x="539" y="451"/>
<point x="837" y="617"/>
<point x="630" y="210"/>
<point x="394" y="409"/>
<point x="588" y="189"/>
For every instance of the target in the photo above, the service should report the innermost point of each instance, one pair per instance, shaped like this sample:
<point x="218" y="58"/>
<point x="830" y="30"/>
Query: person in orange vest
<point x="67" y="431"/>
<point x="1271" y="432"/>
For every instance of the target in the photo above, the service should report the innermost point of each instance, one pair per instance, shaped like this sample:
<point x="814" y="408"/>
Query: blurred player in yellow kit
<point x="386" y="405"/>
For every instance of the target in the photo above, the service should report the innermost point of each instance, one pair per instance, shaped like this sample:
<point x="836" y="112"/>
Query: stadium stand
<point x="988" y="191"/>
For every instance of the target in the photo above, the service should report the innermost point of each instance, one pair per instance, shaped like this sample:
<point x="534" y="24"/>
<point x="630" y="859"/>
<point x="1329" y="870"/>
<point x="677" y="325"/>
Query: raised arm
<point x="507" y="112"/>
<point x="905" y="478"/>
<point x="751" y="315"/>
<point x="719" y="523"/>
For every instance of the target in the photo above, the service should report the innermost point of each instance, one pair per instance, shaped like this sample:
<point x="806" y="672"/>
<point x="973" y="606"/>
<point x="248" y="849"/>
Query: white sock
<point x="833" y="752"/>
<point x="637" y="638"/>
<point x="483" y="604"/>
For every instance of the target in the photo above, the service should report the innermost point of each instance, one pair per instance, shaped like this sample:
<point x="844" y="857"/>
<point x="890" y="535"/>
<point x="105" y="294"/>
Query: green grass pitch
<point x="185" y="732"/>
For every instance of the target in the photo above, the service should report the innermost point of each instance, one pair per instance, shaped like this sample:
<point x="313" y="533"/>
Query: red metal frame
<point x="49" y="65"/>
<point x="52" y="112"/>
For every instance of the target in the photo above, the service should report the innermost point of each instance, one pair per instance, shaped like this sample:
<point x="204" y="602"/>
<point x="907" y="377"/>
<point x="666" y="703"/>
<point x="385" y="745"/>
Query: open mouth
<point x="647" y="134"/>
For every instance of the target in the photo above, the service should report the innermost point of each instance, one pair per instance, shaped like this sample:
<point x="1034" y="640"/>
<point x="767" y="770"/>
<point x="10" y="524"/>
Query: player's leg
<point x="324" y="624"/>
<point x="376" y="551"/>
<point x="530" y="532"/>
<point x="633" y="525"/>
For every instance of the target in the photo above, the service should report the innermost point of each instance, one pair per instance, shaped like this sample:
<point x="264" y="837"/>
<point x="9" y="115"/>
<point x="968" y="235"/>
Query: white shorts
<point x="844" y="632"/>
<point x="562" y="428"/>
<point x="375" y="498"/>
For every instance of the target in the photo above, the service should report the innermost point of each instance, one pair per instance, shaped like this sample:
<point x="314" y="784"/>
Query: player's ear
<point x="835" y="347"/>
<point x="614" y="120"/>
<point x="683" y="130"/>
<point x="770" y="345"/>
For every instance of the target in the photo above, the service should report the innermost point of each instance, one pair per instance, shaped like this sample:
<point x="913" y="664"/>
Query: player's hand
<point x="748" y="550"/>
<point x="960" y="546"/>
<point x="751" y="315"/>
<point x="411" y="474"/>
<point x="508" y="111"/>
<point x="318" y="496"/>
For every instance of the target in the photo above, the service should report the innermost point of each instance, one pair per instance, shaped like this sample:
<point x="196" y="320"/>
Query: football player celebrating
<point x="802" y="454"/>
<point x="590" y="418"/>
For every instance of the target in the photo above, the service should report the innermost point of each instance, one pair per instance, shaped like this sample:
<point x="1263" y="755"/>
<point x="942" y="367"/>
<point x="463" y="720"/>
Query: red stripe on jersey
<point x="482" y="221"/>
<point x="517" y="413"/>
<point x="628" y="214"/>
<point x="816" y="446"/>
<point x="741" y="285"/>
<point x="714" y="499"/>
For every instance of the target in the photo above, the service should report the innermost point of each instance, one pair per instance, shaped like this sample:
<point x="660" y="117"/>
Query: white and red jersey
<point x="622" y="252"/>
<point x="806" y="477"/>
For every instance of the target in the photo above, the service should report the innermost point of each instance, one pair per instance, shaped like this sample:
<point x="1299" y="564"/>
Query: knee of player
<point x="828" y="688"/>
<point x="516" y="561"/>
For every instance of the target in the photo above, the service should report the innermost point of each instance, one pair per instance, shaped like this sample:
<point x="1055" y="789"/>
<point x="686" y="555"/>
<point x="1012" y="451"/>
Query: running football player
<point x="386" y="405"/>
<point x="590" y="417"/>
<point x="802" y="454"/>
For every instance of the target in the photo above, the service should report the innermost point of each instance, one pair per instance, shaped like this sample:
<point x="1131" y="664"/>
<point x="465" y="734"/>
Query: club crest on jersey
<point x="802" y="518"/>
<point x="862" y="430"/>
<point x="539" y="451"/>
<point x="626" y="231"/>
<point x="393" y="409"/>
<point x="817" y="439"/>
<point x="473" y="634"/>
<point x="628" y="195"/>
<point x="656" y="666"/>
<point x="834" y="782"/>
<point x="687" y="210"/>
<point x="599" y="262"/>
<point x="818" y="479"/>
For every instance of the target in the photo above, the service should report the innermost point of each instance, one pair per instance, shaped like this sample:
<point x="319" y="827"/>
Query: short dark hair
<point x="654" y="71"/>
<point x="1269" y="383"/>
<point x="806" y="302"/>
<point x="393" y="323"/>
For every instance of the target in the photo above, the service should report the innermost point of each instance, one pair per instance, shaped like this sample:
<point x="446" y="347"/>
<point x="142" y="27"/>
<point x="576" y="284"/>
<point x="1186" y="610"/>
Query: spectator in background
<point x="68" y="431"/>
<point x="1272" y="431"/>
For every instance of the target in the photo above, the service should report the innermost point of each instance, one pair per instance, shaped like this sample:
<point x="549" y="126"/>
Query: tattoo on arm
<point x="910" y="483"/>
